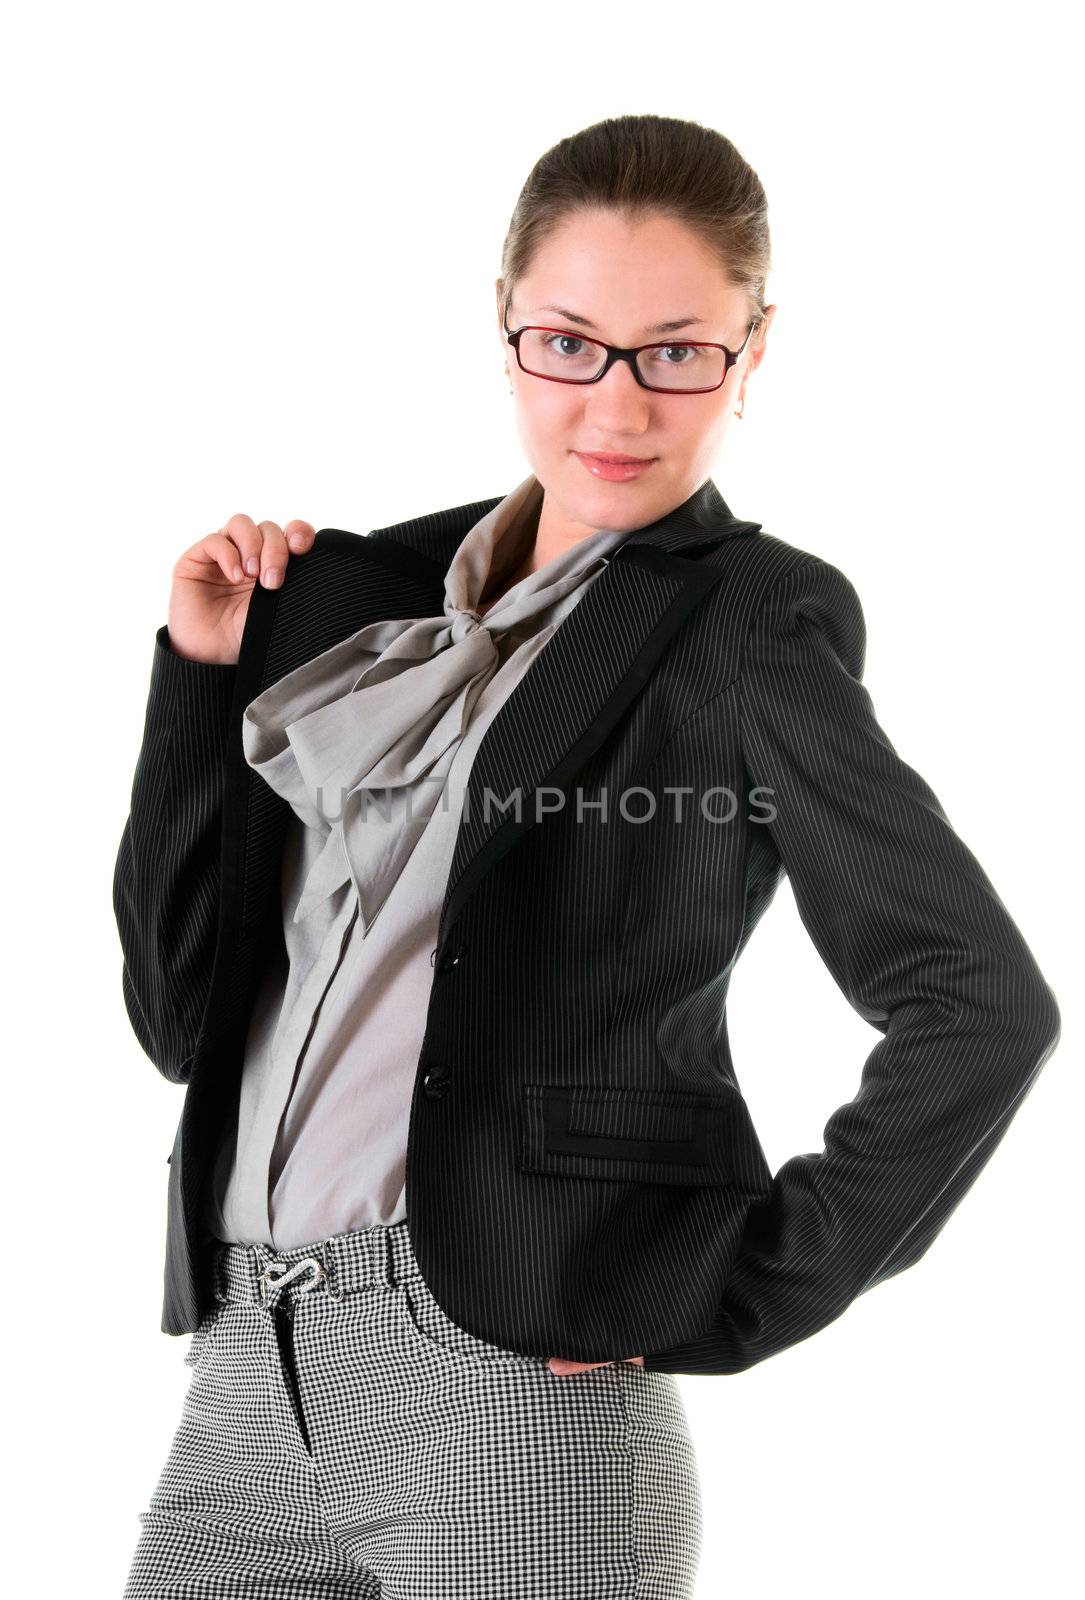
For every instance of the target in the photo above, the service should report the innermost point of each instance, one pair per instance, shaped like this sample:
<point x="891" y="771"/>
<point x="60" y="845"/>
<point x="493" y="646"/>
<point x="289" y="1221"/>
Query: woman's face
<point x="624" y="279"/>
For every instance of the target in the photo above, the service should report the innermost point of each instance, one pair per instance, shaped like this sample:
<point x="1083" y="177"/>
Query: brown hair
<point x="642" y="165"/>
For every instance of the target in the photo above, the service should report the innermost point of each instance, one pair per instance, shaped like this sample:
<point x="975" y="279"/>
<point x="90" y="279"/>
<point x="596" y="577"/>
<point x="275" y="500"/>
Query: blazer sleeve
<point x="167" y="875"/>
<point x="923" y="948"/>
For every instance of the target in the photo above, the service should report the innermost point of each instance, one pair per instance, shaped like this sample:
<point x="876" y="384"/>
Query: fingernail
<point x="252" y="566"/>
<point x="271" y="577"/>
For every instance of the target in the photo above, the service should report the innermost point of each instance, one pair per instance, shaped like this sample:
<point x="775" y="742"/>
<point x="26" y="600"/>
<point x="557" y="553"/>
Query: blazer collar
<point x="703" y="519"/>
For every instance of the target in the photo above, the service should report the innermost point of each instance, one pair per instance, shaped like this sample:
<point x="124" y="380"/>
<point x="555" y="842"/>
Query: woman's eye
<point x="666" y="349"/>
<point x="557" y="343"/>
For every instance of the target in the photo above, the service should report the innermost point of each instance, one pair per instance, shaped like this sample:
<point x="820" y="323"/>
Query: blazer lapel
<point x="357" y="581"/>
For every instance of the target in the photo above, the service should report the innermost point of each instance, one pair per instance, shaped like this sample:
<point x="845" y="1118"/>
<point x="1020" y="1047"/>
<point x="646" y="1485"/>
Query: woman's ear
<point x="757" y="343"/>
<point x="755" y="355"/>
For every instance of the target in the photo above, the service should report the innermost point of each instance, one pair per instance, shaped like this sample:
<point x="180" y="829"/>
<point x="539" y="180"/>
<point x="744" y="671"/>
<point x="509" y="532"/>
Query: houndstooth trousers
<point x="342" y="1436"/>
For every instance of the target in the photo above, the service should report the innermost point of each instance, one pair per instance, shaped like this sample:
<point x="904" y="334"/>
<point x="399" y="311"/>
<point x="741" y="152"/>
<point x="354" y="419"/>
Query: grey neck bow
<point x="359" y="740"/>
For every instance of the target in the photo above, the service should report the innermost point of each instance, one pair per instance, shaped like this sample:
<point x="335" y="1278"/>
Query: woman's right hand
<point x="214" y="579"/>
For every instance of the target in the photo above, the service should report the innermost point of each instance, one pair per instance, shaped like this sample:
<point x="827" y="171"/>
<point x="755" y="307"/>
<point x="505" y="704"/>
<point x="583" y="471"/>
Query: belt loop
<point x="331" y="1274"/>
<point x="259" y="1256"/>
<point x="220" y="1276"/>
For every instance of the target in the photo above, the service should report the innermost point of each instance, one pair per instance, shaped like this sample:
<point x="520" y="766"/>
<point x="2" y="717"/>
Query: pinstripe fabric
<point x="916" y="938"/>
<point x="180" y="771"/>
<point x="583" y="1176"/>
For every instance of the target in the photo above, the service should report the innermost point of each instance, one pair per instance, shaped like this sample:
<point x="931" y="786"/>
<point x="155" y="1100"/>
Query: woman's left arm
<point x="920" y="943"/>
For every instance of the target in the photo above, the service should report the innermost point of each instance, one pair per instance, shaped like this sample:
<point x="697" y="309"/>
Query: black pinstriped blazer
<point x="583" y="1175"/>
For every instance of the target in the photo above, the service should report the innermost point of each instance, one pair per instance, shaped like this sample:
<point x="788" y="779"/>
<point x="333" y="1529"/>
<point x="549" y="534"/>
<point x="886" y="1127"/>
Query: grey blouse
<point x="371" y="743"/>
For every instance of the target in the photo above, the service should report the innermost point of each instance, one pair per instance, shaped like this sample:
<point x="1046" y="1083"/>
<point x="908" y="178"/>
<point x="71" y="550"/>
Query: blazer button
<point x="437" y="1081"/>
<point x="453" y="958"/>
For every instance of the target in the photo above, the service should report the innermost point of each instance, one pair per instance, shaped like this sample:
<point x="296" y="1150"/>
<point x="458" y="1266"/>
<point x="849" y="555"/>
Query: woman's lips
<point x="614" y="469"/>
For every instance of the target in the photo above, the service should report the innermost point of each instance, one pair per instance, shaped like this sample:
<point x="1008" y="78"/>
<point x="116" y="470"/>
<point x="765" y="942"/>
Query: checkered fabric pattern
<point x="342" y="1436"/>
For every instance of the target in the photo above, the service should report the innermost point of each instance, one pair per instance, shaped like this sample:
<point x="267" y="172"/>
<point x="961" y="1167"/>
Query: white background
<point x="215" y="216"/>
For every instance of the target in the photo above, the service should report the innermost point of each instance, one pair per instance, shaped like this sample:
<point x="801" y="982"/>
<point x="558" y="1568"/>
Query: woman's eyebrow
<point x="657" y="327"/>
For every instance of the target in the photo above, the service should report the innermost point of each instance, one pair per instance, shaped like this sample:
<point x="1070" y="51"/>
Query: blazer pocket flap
<point x="639" y="1135"/>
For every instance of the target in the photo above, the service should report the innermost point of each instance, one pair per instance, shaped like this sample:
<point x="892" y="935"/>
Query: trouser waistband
<point x="258" y="1275"/>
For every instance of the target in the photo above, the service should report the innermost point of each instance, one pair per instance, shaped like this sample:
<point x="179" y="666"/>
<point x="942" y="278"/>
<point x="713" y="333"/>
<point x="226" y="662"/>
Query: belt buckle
<point x="276" y="1275"/>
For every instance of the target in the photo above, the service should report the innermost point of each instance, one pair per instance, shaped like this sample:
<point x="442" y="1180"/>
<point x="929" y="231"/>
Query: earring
<point x="739" y="409"/>
<point x="508" y="375"/>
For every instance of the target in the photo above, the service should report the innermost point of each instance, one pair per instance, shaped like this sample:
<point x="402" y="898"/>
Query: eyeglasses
<point x="545" y="353"/>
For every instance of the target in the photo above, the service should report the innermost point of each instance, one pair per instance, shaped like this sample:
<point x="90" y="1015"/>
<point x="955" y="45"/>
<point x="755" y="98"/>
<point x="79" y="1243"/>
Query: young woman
<point x="443" y="844"/>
